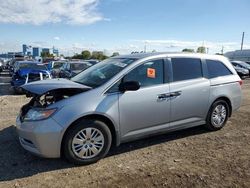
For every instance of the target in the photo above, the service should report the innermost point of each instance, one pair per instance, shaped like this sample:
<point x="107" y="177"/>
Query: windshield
<point x="57" y="65"/>
<point x="79" y="66"/>
<point x="102" y="72"/>
<point x="244" y="64"/>
<point x="32" y="66"/>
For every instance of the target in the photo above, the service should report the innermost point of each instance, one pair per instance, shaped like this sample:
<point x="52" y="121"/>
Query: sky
<point x="124" y="25"/>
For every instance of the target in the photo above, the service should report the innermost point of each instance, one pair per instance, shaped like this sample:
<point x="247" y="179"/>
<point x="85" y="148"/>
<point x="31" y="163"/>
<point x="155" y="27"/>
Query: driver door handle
<point x="175" y="94"/>
<point x="164" y="96"/>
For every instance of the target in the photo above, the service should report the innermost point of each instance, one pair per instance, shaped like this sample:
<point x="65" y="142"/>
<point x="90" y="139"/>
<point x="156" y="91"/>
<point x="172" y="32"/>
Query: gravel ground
<point x="189" y="158"/>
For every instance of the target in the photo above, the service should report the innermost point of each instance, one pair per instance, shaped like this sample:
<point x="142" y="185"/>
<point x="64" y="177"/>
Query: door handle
<point x="162" y="97"/>
<point x="175" y="94"/>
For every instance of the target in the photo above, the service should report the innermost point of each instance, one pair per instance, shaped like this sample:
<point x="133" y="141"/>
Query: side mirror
<point x="129" y="86"/>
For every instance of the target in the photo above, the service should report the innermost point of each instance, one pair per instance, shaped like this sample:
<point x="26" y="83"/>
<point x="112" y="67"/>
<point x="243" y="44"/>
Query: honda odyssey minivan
<point x="125" y="98"/>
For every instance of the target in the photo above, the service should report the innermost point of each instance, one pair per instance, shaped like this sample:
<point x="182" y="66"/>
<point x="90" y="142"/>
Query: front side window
<point x="216" y="69"/>
<point x="186" y="68"/>
<point x="147" y="74"/>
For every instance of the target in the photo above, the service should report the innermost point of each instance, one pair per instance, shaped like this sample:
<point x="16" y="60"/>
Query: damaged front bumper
<point x="42" y="138"/>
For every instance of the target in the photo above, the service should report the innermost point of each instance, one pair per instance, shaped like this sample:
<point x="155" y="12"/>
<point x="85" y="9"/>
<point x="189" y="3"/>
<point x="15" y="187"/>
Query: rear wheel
<point x="217" y="115"/>
<point x="87" y="142"/>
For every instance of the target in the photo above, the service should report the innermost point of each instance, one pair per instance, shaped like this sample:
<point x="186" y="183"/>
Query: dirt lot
<point x="189" y="158"/>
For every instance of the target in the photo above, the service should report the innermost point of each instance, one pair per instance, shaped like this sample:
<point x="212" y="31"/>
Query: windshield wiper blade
<point x="82" y="84"/>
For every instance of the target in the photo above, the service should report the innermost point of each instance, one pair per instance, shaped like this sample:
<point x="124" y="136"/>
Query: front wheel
<point x="217" y="115"/>
<point x="87" y="142"/>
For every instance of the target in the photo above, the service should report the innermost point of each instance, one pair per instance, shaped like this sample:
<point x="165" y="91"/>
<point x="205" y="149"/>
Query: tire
<point x="79" y="146"/>
<point x="221" y="109"/>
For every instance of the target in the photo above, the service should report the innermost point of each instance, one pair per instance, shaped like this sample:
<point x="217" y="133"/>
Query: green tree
<point x="115" y="54"/>
<point x="201" y="49"/>
<point x="46" y="54"/>
<point x="86" y="54"/>
<point x="188" y="50"/>
<point x="77" y="56"/>
<point x="98" y="55"/>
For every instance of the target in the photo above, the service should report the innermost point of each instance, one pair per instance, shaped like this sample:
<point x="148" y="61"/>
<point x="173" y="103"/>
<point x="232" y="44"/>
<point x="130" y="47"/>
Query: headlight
<point x="38" y="114"/>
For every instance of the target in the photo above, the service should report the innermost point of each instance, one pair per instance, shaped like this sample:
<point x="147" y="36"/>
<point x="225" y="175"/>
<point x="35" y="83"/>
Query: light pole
<point x="222" y="50"/>
<point x="242" y="41"/>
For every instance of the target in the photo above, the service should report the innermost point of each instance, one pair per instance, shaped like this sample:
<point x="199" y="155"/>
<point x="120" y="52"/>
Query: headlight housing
<point x="35" y="114"/>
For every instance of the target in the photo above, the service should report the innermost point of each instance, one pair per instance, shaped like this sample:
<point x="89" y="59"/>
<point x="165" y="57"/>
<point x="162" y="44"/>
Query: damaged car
<point x="72" y="68"/>
<point x="125" y="98"/>
<point x="26" y="72"/>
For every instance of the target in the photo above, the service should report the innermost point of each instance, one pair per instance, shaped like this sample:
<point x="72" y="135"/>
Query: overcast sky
<point x="124" y="25"/>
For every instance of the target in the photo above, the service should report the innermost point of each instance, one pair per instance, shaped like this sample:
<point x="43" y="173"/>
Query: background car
<point x="26" y="72"/>
<point x="54" y="67"/>
<point x="248" y="62"/>
<point x="241" y="71"/>
<point x="11" y="65"/>
<point x="1" y="66"/>
<point x="241" y="64"/>
<point x="72" y="68"/>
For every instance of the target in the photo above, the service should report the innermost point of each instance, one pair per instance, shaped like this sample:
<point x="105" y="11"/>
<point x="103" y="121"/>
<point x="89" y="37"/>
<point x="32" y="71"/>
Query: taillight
<point x="240" y="82"/>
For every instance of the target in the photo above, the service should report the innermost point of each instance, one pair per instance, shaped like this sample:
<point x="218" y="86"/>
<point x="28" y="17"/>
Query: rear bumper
<point x="42" y="138"/>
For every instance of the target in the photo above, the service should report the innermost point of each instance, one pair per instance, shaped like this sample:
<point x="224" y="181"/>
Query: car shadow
<point x="16" y="163"/>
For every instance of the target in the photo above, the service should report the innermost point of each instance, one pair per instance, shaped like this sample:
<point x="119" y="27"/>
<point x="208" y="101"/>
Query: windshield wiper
<point x="82" y="84"/>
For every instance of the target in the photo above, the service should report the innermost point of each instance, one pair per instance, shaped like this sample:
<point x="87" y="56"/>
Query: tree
<point x="77" y="56"/>
<point x="115" y="54"/>
<point x="201" y="49"/>
<point x="46" y="54"/>
<point x="188" y="50"/>
<point x="86" y="54"/>
<point x="98" y="55"/>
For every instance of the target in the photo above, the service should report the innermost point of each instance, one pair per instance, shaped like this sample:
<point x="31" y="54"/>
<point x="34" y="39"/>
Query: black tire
<point x="210" y="125"/>
<point x="71" y="155"/>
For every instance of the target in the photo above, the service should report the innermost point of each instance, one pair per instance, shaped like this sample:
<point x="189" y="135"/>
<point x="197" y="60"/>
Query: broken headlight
<point x="38" y="114"/>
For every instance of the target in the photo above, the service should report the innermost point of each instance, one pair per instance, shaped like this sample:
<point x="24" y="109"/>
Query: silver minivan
<point x="125" y="98"/>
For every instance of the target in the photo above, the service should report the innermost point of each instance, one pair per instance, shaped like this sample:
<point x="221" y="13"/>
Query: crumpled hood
<point x="24" y="72"/>
<point x="43" y="86"/>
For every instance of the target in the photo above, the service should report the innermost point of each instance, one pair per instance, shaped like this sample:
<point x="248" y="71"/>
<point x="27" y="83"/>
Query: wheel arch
<point x="227" y="100"/>
<point x="104" y="119"/>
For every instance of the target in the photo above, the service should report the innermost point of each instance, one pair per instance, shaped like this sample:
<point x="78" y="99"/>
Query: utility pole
<point x="222" y="50"/>
<point x="242" y="41"/>
<point x="145" y="47"/>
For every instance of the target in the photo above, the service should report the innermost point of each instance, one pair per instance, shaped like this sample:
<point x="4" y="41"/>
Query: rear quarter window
<point x="217" y="69"/>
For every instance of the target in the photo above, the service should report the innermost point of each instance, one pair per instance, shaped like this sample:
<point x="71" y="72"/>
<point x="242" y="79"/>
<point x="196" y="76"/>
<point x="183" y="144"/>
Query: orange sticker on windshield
<point x="151" y="73"/>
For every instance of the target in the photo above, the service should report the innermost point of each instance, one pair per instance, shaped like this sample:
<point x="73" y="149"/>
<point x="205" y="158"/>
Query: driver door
<point x="146" y="110"/>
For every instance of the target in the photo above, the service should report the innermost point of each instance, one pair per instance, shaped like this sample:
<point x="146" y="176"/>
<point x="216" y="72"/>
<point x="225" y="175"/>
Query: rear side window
<point x="216" y="69"/>
<point x="186" y="68"/>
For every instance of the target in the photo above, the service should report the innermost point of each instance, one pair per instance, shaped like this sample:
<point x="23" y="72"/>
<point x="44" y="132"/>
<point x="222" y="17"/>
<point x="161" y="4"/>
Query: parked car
<point x="72" y="68"/>
<point x="55" y="67"/>
<point x="241" y="64"/>
<point x="1" y="66"/>
<point x="125" y="98"/>
<point x="242" y="72"/>
<point x="26" y="72"/>
<point x="248" y="62"/>
<point x="11" y="65"/>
